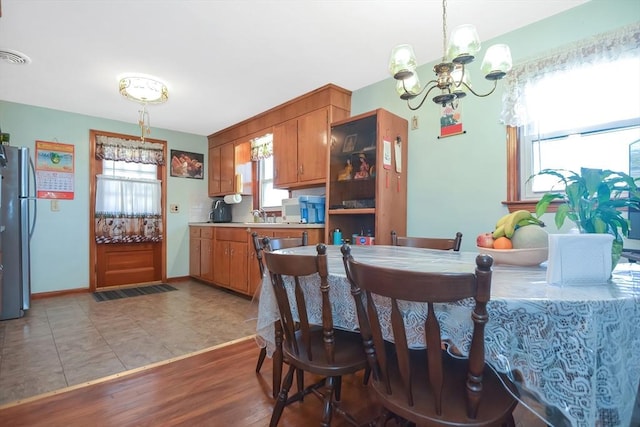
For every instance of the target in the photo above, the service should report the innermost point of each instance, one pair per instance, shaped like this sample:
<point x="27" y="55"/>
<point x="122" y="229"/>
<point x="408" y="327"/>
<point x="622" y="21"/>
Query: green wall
<point x="455" y="184"/>
<point x="60" y="244"/>
<point x="459" y="183"/>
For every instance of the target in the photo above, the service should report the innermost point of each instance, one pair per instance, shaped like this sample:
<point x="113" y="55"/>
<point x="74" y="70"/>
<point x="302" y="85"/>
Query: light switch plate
<point x="55" y="205"/>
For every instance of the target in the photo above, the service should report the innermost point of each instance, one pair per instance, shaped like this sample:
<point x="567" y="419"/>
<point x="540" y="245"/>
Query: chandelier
<point x="452" y="77"/>
<point x="144" y="90"/>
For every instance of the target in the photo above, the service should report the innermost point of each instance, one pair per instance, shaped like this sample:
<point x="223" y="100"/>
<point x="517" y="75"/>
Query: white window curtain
<point x="128" y="208"/>
<point x="603" y="55"/>
<point x="127" y="197"/>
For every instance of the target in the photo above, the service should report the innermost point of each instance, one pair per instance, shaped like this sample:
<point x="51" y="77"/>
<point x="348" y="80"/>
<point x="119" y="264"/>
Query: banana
<point x="529" y="221"/>
<point x="512" y="221"/>
<point x="503" y="219"/>
<point x="498" y="232"/>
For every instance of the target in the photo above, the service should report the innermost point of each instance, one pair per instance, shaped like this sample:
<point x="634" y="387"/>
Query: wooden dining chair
<point x="275" y="243"/>
<point x="319" y="348"/>
<point x="431" y="386"/>
<point x="428" y="242"/>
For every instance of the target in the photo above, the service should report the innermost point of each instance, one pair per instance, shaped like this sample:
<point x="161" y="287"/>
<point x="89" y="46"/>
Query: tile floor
<point x="68" y="340"/>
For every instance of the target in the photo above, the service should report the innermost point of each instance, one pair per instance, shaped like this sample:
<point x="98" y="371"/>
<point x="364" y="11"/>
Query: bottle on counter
<point x="337" y="237"/>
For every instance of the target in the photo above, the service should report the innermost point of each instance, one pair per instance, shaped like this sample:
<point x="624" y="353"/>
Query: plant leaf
<point x="561" y="214"/>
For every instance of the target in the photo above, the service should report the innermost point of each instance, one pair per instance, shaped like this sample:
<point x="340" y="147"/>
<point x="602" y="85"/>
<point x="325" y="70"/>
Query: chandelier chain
<point x="444" y="30"/>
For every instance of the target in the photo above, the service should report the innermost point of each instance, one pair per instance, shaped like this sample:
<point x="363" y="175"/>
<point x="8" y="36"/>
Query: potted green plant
<point x="593" y="200"/>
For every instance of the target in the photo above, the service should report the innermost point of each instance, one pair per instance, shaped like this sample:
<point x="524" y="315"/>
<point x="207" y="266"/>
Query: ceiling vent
<point x="14" y="57"/>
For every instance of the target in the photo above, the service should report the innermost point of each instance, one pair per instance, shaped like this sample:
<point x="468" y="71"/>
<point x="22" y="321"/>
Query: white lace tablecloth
<point x="576" y="348"/>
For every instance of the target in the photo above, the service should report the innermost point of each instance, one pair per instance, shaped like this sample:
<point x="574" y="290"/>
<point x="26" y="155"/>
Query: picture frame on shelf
<point x="350" y="143"/>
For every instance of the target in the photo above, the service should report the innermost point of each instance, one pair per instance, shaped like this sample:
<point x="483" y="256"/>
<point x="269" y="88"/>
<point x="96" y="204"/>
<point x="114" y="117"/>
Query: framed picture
<point x="187" y="165"/>
<point x="350" y="143"/>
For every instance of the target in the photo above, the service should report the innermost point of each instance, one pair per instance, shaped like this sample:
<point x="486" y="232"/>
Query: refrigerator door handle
<point x="32" y="169"/>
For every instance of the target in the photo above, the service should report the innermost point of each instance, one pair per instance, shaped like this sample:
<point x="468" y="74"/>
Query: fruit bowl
<point x="522" y="257"/>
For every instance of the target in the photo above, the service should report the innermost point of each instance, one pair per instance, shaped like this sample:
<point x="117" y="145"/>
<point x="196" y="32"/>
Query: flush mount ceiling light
<point x="145" y="90"/>
<point x="452" y="77"/>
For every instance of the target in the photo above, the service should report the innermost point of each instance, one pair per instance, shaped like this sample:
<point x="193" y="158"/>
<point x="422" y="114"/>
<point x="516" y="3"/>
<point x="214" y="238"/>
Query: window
<point x="269" y="197"/>
<point x="128" y="193"/>
<point x="128" y="188"/>
<point x="262" y="152"/>
<point x="562" y="113"/>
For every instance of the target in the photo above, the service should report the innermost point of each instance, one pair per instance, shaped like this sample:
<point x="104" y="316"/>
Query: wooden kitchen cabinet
<point x="201" y="252"/>
<point x="300" y="148"/>
<point x="221" y="170"/>
<point x="225" y="163"/>
<point x="231" y="256"/>
<point x="371" y="198"/>
<point x="226" y="257"/>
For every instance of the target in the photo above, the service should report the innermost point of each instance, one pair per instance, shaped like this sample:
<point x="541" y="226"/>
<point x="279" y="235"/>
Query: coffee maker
<point x="220" y="211"/>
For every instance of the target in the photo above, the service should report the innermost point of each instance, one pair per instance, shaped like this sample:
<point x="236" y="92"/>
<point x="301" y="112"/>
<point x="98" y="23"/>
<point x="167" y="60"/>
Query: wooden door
<point x="285" y="153"/>
<point x="214" y="171"/>
<point x="118" y="264"/>
<point x="238" y="266"/>
<point x="194" y="251"/>
<point x="206" y="253"/>
<point x="227" y="169"/>
<point x="221" y="262"/>
<point x="312" y="145"/>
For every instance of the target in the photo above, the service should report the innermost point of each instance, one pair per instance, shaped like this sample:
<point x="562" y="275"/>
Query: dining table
<point x="573" y="351"/>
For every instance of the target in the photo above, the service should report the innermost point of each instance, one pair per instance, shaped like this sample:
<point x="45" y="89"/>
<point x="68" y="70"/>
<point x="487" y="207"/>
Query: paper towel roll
<point x="232" y="199"/>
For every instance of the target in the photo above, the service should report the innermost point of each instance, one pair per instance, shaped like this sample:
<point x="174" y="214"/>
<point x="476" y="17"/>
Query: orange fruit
<point x="502" y="243"/>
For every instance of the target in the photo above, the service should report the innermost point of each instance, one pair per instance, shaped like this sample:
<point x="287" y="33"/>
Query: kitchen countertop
<point x="255" y="225"/>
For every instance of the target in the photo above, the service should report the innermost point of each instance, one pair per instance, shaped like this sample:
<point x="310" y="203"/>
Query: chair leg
<point x="282" y="397"/>
<point x="300" y="378"/>
<point x="277" y="361"/>
<point x="367" y="374"/>
<point x="338" y="388"/>
<point x="261" y="357"/>
<point x="327" y="409"/>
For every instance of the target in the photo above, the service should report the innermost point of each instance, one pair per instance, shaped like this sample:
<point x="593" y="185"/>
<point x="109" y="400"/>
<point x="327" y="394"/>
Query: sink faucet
<point x="260" y="213"/>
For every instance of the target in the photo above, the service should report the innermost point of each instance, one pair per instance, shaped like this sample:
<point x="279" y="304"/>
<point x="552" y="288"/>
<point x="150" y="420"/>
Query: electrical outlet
<point x="55" y="205"/>
<point x="174" y="208"/>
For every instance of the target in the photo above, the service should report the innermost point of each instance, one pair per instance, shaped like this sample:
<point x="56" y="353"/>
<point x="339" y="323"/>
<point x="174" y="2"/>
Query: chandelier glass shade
<point x="452" y="77"/>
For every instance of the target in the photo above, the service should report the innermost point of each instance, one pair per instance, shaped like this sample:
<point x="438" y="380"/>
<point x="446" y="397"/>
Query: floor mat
<point x="132" y="292"/>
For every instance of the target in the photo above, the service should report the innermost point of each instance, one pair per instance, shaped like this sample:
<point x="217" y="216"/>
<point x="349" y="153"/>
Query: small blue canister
<point x="337" y="237"/>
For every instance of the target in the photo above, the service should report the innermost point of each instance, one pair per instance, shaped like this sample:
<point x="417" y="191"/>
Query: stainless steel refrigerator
<point x="17" y="221"/>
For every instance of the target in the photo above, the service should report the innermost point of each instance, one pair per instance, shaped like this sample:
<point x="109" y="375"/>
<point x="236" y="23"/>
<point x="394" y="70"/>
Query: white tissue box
<point x="579" y="259"/>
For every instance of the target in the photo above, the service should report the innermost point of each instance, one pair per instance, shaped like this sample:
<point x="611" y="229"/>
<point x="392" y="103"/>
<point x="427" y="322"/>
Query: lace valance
<point x="261" y="147"/>
<point x="602" y="48"/>
<point x="129" y="150"/>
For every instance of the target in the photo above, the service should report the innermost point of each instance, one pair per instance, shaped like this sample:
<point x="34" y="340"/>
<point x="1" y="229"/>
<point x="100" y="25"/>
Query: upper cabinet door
<point x="214" y="171"/>
<point x="227" y="169"/>
<point x="285" y="153"/>
<point x="300" y="150"/>
<point x="222" y="170"/>
<point x="312" y="145"/>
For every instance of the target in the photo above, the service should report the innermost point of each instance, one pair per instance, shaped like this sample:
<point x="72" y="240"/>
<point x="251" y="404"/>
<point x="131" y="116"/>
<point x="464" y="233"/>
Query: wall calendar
<point x="54" y="170"/>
